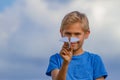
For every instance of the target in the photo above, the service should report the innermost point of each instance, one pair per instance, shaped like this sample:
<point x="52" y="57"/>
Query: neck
<point x="77" y="52"/>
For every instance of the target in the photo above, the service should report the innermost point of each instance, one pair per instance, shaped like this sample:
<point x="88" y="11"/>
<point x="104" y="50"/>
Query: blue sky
<point x="29" y="34"/>
<point x="5" y="3"/>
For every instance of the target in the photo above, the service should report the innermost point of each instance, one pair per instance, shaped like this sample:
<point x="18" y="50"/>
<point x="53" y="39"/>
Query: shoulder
<point x="54" y="63"/>
<point x="93" y="56"/>
<point x="95" y="59"/>
<point x="98" y="65"/>
<point x="55" y="56"/>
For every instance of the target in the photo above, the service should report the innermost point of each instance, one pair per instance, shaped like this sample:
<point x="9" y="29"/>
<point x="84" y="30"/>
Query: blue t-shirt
<point x="87" y="66"/>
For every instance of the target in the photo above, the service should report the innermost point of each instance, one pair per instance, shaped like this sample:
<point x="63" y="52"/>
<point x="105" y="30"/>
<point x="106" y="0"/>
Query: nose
<point x="72" y="35"/>
<point x="69" y="37"/>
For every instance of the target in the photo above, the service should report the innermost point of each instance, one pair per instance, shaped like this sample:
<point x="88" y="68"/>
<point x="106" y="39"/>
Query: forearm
<point x="62" y="72"/>
<point x="101" y="78"/>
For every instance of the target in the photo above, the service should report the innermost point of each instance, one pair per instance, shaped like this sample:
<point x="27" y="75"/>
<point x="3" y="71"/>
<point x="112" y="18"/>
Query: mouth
<point x="73" y="44"/>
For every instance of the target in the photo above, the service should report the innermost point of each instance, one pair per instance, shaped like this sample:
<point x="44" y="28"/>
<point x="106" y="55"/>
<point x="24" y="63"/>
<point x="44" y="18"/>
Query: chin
<point x="75" y="48"/>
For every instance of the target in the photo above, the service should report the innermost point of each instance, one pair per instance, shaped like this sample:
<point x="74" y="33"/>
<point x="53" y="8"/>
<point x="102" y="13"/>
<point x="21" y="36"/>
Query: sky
<point x="29" y="35"/>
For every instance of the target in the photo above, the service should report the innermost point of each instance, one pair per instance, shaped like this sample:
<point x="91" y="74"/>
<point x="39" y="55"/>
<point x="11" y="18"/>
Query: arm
<point x="54" y="74"/>
<point x="61" y="74"/>
<point x="101" y="78"/>
<point x="100" y="72"/>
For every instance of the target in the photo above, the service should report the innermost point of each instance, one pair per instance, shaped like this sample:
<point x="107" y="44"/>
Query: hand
<point x="66" y="53"/>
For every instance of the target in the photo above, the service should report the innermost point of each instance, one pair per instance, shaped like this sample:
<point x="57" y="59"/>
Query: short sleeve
<point x="53" y="64"/>
<point x="98" y="68"/>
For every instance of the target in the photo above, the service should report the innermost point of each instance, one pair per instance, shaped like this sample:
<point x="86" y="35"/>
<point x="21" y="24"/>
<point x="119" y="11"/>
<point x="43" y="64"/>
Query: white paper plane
<point x="66" y="39"/>
<point x="73" y="39"/>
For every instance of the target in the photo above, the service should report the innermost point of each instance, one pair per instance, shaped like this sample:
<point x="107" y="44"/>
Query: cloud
<point x="29" y="30"/>
<point x="9" y="23"/>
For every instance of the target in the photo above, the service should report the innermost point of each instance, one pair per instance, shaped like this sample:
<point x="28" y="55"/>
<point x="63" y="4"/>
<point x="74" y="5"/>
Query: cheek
<point x="81" y="40"/>
<point x="82" y="37"/>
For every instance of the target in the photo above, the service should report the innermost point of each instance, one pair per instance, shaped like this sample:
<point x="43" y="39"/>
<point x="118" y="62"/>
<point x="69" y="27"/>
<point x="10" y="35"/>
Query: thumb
<point x="71" y="49"/>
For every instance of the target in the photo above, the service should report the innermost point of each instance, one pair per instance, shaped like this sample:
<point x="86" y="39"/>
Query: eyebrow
<point x="73" y="33"/>
<point x="67" y="32"/>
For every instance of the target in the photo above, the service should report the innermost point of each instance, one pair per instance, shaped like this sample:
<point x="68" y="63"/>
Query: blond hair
<point x="74" y="17"/>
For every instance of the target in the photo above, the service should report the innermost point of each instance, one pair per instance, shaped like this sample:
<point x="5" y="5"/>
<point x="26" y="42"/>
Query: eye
<point x="77" y="34"/>
<point x="68" y="33"/>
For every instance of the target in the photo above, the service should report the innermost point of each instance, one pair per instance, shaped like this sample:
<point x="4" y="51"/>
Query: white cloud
<point x="30" y="28"/>
<point x="9" y="23"/>
<point x="39" y="13"/>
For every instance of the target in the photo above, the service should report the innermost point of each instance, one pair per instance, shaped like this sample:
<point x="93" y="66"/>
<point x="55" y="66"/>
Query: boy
<point x="75" y="63"/>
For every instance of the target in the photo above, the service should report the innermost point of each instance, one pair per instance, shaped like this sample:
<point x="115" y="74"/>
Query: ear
<point x="87" y="34"/>
<point x="61" y="32"/>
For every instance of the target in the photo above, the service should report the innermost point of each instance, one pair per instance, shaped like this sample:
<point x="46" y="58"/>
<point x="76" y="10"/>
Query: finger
<point x="71" y="47"/>
<point x="65" y="45"/>
<point x="66" y="51"/>
<point x="71" y="50"/>
<point x="63" y="51"/>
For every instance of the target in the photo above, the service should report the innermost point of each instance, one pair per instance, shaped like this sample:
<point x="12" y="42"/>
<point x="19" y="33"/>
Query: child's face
<point x="75" y="30"/>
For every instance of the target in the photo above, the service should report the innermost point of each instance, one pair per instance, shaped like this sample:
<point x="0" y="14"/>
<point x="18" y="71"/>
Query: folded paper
<point x="69" y="40"/>
<point x="66" y="39"/>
